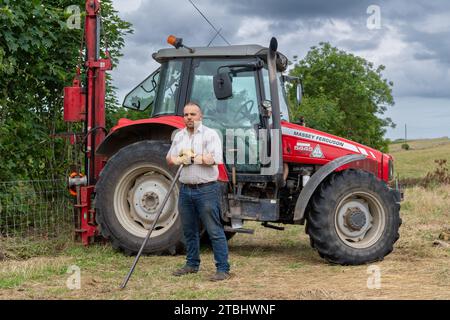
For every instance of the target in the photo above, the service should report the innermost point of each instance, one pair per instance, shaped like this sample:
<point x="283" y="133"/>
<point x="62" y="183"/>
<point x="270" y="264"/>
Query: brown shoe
<point x="220" y="276"/>
<point x="184" y="270"/>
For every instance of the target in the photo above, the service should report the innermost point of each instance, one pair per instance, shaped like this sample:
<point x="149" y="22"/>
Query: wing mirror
<point x="299" y="92"/>
<point x="290" y="82"/>
<point x="223" y="87"/>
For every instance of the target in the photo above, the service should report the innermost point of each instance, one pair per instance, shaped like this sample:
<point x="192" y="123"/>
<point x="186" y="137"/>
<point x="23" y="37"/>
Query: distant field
<point x="419" y="160"/>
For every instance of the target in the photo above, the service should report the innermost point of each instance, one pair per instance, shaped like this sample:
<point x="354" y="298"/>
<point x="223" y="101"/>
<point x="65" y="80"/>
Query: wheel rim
<point x="137" y="197"/>
<point x="360" y="220"/>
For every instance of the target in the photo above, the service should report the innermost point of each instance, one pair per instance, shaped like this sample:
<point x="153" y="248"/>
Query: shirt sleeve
<point x="214" y="147"/>
<point x="175" y="147"/>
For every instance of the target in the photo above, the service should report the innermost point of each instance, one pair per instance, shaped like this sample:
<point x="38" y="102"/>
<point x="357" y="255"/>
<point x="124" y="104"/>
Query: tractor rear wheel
<point x="130" y="189"/>
<point x="354" y="218"/>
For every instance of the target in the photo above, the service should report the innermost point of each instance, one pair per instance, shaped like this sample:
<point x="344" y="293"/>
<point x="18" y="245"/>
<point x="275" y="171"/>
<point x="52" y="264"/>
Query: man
<point x="199" y="148"/>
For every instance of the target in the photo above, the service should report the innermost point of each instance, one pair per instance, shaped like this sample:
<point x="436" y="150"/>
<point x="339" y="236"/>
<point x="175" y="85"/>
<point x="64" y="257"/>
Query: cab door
<point x="238" y="118"/>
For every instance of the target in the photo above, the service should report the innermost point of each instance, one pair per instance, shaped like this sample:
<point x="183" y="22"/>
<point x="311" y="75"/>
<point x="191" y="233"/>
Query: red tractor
<point x="274" y="171"/>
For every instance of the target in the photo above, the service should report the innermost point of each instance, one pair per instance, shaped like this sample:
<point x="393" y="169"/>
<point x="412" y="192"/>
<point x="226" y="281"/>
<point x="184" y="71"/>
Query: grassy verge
<point x="267" y="265"/>
<point x="25" y="248"/>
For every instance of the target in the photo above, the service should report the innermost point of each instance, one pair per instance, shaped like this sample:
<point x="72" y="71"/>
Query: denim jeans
<point x="203" y="205"/>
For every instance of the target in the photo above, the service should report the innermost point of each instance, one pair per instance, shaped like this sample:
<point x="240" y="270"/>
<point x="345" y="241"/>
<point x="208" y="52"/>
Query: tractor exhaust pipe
<point x="276" y="115"/>
<point x="172" y="186"/>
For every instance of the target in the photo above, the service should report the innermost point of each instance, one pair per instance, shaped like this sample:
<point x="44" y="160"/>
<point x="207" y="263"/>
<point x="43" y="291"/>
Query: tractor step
<point x="271" y="226"/>
<point x="238" y="230"/>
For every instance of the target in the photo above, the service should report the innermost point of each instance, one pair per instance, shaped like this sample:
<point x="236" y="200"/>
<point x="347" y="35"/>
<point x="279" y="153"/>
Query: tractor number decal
<point x="303" y="147"/>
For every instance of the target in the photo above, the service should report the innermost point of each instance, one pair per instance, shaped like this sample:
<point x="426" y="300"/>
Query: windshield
<point x="239" y="111"/>
<point x="284" y="109"/>
<point x="160" y="90"/>
<point x="168" y="90"/>
<point x="143" y="96"/>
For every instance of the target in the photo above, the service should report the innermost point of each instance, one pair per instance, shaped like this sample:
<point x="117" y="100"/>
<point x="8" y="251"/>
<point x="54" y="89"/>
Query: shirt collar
<point x="200" y="129"/>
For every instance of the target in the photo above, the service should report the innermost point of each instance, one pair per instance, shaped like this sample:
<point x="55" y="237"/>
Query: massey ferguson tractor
<point x="275" y="172"/>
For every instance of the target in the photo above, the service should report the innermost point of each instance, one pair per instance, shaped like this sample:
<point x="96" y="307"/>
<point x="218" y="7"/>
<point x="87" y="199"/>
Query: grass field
<point x="419" y="160"/>
<point x="267" y="265"/>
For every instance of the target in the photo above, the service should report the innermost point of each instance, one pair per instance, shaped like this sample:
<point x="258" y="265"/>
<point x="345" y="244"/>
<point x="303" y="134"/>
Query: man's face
<point x="192" y="116"/>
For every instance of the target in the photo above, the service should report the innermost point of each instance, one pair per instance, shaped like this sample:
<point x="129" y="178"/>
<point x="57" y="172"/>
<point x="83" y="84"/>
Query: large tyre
<point x="128" y="193"/>
<point x="354" y="218"/>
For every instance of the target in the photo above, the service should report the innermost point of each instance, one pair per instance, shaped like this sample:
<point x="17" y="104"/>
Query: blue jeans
<point x="203" y="204"/>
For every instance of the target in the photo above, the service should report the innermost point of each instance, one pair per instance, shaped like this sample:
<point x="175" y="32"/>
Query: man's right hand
<point x="184" y="159"/>
<point x="187" y="152"/>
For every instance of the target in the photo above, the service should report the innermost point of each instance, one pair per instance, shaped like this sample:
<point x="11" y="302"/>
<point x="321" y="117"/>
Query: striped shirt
<point x="203" y="141"/>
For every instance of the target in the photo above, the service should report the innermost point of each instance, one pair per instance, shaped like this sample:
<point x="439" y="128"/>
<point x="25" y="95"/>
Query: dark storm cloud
<point x="301" y="24"/>
<point x="360" y="45"/>
<point x="293" y="9"/>
<point x="406" y="15"/>
<point x="154" y="21"/>
<point x="351" y="10"/>
<point x="413" y="42"/>
<point x="435" y="45"/>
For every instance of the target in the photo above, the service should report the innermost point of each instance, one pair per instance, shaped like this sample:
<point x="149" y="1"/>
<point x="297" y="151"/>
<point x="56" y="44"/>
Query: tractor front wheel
<point x="354" y="218"/>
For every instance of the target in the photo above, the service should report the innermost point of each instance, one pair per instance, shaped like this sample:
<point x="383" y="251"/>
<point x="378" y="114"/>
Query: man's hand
<point x="181" y="160"/>
<point x="188" y="157"/>
<point x="198" y="159"/>
<point x="187" y="152"/>
<point x="185" y="157"/>
<point x="208" y="159"/>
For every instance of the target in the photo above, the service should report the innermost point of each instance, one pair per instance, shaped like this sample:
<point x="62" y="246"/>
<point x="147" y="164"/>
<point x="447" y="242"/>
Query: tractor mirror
<point x="223" y="87"/>
<point x="299" y="92"/>
<point x="291" y="83"/>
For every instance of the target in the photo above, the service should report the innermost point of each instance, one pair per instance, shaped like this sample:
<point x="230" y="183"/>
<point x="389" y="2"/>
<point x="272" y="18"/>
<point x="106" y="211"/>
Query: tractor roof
<point x="251" y="50"/>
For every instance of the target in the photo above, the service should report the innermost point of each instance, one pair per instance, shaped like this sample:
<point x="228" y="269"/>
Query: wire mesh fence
<point x="35" y="209"/>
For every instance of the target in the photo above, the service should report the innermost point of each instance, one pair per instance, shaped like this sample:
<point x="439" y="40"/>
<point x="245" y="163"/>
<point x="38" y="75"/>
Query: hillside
<point x="419" y="159"/>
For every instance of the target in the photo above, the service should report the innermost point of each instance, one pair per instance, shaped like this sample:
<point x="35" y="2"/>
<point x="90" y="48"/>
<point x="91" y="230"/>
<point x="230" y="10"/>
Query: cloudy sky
<point x="412" y="39"/>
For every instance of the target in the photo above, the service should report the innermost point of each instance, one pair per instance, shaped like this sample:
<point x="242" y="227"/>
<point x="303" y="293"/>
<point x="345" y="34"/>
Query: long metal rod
<point x="127" y="278"/>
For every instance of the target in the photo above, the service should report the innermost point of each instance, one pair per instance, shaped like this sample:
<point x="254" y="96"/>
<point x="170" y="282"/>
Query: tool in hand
<point x="174" y="181"/>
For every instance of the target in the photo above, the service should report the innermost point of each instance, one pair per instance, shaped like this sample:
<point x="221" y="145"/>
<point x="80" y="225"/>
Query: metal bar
<point x="127" y="278"/>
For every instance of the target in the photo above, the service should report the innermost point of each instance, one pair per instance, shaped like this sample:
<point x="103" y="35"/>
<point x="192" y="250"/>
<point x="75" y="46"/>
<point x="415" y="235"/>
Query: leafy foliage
<point x="344" y="95"/>
<point x="38" y="55"/>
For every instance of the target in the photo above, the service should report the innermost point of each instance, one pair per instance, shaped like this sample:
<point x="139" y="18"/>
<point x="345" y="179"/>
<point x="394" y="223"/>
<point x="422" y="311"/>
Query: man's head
<point x="192" y="115"/>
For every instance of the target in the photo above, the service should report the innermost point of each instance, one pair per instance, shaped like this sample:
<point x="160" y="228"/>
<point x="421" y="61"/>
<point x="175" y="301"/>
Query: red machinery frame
<point x="88" y="104"/>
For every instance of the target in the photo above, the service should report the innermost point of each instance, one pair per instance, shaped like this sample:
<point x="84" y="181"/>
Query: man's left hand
<point x="208" y="159"/>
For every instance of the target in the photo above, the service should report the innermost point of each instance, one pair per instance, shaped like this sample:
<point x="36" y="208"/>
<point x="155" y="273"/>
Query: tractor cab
<point x="232" y="86"/>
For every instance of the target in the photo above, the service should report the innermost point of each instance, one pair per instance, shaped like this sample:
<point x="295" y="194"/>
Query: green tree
<point x="38" y="55"/>
<point x="344" y="95"/>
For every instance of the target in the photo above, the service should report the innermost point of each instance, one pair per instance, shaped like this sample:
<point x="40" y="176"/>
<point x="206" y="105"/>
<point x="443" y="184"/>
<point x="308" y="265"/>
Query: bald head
<point x="195" y="105"/>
